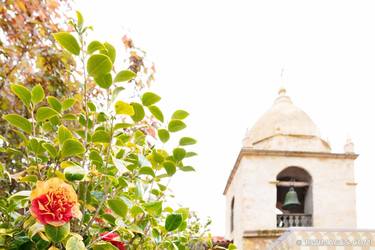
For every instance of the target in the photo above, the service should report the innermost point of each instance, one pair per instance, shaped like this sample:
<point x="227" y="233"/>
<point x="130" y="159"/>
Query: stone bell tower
<point x="284" y="153"/>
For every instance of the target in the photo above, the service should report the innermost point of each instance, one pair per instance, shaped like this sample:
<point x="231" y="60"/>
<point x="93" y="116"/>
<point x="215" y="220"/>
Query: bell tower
<point x="286" y="176"/>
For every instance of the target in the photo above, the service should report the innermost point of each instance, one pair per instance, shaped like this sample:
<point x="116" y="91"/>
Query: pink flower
<point x="113" y="238"/>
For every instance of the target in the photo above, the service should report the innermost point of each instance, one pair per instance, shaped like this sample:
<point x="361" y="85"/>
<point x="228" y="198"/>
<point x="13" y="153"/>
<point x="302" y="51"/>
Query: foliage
<point x="95" y="176"/>
<point x="29" y="55"/>
<point x="27" y="51"/>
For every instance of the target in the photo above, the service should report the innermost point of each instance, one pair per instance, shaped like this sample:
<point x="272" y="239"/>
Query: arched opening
<point x="232" y="215"/>
<point x="294" y="200"/>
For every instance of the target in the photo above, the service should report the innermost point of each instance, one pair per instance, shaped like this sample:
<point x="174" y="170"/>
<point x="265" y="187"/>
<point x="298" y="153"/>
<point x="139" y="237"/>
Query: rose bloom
<point x="54" y="202"/>
<point x="113" y="238"/>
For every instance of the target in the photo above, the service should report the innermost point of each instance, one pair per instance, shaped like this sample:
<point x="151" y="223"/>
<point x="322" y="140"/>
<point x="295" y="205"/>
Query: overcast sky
<point x="221" y="61"/>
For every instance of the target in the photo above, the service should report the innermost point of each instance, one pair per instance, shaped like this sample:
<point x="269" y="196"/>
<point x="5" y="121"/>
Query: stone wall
<point x="333" y="192"/>
<point x="259" y="240"/>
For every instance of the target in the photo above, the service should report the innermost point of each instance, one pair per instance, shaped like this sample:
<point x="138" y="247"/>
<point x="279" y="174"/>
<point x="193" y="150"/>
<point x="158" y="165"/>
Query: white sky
<point x="221" y="61"/>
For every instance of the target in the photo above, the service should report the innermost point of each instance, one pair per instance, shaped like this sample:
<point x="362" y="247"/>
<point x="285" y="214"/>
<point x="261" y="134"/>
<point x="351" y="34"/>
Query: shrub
<point x="95" y="174"/>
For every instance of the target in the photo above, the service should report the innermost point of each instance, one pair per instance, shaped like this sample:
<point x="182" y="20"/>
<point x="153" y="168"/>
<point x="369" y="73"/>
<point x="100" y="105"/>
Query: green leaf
<point x="22" y="93"/>
<point x="124" y="76"/>
<point x="122" y="125"/>
<point x="102" y="117"/>
<point x="94" y="46"/>
<point x="63" y="134"/>
<point x="116" y="92"/>
<point x="169" y="167"/>
<point x="180" y="114"/>
<point x="122" y="139"/>
<point x="109" y="218"/>
<point x="54" y="103"/>
<point x="146" y="171"/>
<point x="25" y="194"/>
<point x="149" y="98"/>
<point x="163" y="135"/>
<point x="232" y="247"/>
<point x="66" y="164"/>
<point x="35" y="146"/>
<point x="136" y="210"/>
<point x="185" y="141"/>
<point x="57" y="234"/>
<point x="176" y="125"/>
<point x="69" y="117"/>
<point x="118" y="206"/>
<point x="75" y="243"/>
<point x="172" y="222"/>
<point x="21" y="135"/>
<point x="103" y="245"/>
<point x="99" y="64"/>
<point x="101" y="136"/>
<point x="104" y="81"/>
<point x="190" y="154"/>
<point x="154" y="208"/>
<point x="68" y="42"/>
<point x="110" y="51"/>
<point x="123" y="108"/>
<point x="68" y="103"/>
<point x="72" y="147"/>
<point x="184" y="212"/>
<point x="155" y="111"/>
<point x="157" y="156"/>
<point x="35" y="228"/>
<point x="74" y="173"/>
<point x="29" y="178"/>
<point x="179" y="154"/>
<point x="95" y="156"/>
<point x="119" y="164"/>
<point x="79" y="19"/>
<point x="187" y="168"/>
<point x="91" y="106"/>
<point x="19" y="122"/>
<point x="139" y="112"/>
<point x="136" y="229"/>
<point x="182" y="227"/>
<point x="37" y="94"/>
<point x="50" y="149"/>
<point x="139" y="137"/>
<point x="44" y="113"/>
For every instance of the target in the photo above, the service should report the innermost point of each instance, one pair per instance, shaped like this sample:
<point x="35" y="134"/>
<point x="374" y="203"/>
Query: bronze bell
<point x="291" y="200"/>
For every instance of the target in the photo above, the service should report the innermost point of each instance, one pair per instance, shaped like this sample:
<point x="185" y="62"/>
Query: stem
<point x="149" y="195"/>
<point x="106" y="184"/>
<point x="31" y="111"/>
<point x="85" y="82"/>
<point x="32" y="119"/>
<point x="101" y="237"/>
<point x="83" y="60"/>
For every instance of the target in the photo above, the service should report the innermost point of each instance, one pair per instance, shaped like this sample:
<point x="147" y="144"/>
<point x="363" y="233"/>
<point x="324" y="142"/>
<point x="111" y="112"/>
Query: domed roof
<point x="285" y="127"/>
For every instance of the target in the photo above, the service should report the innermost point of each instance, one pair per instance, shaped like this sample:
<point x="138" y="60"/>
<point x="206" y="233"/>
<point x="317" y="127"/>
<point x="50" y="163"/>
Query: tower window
<point x="294" y="198"/>
<point x="232" y="215"/>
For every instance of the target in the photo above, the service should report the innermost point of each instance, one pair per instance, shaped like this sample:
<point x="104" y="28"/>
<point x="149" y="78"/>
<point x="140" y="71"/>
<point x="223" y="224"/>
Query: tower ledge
<point x="258" y="152"/>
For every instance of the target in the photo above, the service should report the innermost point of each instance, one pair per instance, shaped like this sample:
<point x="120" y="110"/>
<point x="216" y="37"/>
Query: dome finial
<point x="282" y="91"/>
<point x="282" y="98"/>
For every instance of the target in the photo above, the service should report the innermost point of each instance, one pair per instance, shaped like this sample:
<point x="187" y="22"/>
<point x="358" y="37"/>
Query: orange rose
<point x="54" y="202"/>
